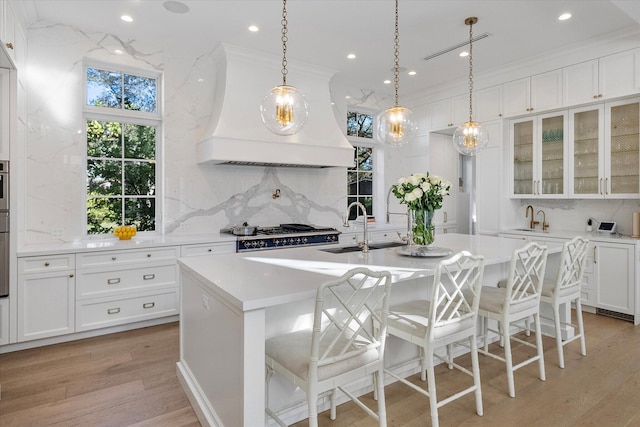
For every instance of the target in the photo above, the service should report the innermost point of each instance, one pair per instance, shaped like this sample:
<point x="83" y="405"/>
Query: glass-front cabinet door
<point x="539" y="156"/>
<point x="586" y="161"/>
<point x="622" y="145"/>
<point x="522" y="135"/>
<point x="552" y="156"/>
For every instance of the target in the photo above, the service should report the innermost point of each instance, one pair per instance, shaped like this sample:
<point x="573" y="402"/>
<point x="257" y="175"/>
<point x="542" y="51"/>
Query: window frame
<point x="377" y="208"/>
<point x="143" y="118"/>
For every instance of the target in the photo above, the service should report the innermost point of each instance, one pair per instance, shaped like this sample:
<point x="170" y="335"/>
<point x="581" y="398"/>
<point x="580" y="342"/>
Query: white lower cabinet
<point x="208" y="249"/>
<point x="4" y="321"/>
<point x="46" y="296"/>
<point x="118" y="287"/>
<point x="614" y="271"/>
<point x="103" y="312"/>
<point x="609" y="281"/>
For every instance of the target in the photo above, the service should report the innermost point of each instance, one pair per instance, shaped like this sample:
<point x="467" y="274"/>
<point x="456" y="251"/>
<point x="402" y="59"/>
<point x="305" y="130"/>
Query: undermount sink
<point x="373" y="246"/>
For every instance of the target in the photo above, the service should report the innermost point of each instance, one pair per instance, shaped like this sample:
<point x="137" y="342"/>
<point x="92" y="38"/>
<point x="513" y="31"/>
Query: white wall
<point x="196" y="198"/>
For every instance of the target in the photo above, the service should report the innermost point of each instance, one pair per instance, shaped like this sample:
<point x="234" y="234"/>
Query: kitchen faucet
<point x="545" y="224"/>
<point x="365" y="243"/>
<point x="532" y="223"/>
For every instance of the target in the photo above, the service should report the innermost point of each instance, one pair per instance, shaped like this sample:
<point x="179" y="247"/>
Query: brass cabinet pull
<point x="113" y="310"/>
<point x="113" y="281"/>
<point x="9" y="45"/>
<point x="113" y="258"/>
<point x="149" y="277"/>
<point x="148" y="305"/>
<point x="595" y="255"/>
<point x="445" y="217"/>
<point x="71" y="275"/>
<point x="606" y="185"/>
<point x="46" y="264"/>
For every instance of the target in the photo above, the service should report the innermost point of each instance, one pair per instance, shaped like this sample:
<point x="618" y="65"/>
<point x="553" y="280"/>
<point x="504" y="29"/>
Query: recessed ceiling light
<point x="118" y="52"/>
<point x="175" y="6"/>
<point x="564" y="16"/>
<point x="464" y="54"/>
<point x="347" y="97"/>
<point x="412" y="73"/>
<point x="351" y="56"/>
<point x="387" y="82"/>
<point x="126" y="18"/>
<point x="200" y="80"/>
<point x="254" y="28"/>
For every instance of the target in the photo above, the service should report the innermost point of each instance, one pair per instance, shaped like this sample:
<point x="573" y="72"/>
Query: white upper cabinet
<point x="517" y="97"/>
<point x="539" y="156"/>
<point x="448" y="113"/>
<point x="546" y="91"/>
<point x="487" y="104"/>
<point x="605" y="78"/>
<point x="532" y="94"/>
<point x="618" y="74"/>
<point x="604" y="145"/>
<point x="580" y="83"/>
<point x="9" y="25"/>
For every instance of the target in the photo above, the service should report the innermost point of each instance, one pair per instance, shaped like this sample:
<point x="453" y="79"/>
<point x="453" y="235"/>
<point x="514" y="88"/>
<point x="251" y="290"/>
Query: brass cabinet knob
<point x="46" y="264"/>
<point x="113" y="258"/>
<point x="9" y="45"/>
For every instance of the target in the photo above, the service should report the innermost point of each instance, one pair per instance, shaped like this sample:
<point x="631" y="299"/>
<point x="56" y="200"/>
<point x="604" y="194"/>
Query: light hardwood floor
<point x="128" y="379"/>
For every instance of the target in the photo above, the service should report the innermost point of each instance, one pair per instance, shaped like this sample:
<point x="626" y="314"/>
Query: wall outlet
<point x="57" y="233"/>
<point x="185" y="226"/>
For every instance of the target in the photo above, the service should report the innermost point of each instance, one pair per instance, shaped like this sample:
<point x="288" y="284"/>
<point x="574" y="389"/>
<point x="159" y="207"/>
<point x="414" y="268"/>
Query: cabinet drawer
<point x="383" y="235"/>
<point x="208" y="249"/>
<point x="45" y="264"/>
<point x="103" y="283"/>
<point x="100" y="314"/>
<point x="137" y="256"/>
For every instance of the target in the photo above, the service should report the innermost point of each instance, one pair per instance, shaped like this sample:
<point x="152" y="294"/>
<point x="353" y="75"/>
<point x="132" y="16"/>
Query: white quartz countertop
<point x="261" y="279"/>
<point x="113" y="243"/>
<point x="593" y="235"/>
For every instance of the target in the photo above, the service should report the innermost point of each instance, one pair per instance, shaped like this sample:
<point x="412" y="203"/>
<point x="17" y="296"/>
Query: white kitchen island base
<point x="232" y="303"/>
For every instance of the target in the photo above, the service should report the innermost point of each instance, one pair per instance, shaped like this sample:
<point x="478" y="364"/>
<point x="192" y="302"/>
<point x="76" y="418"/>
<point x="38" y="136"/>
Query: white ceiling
<point x="323" y="32"/>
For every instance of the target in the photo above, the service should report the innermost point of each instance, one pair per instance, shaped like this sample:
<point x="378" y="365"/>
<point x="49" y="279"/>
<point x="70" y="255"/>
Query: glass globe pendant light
<point x="396" y="125"/>
<point x="470" y="138"/>
<point x="284" y="110"/>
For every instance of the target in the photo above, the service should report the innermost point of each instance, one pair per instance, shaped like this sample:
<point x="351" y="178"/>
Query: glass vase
<point x="422" y="228"/>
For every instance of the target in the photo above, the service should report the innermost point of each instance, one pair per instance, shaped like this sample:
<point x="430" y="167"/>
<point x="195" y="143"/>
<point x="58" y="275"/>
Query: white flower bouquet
<point x="422" y="194"/>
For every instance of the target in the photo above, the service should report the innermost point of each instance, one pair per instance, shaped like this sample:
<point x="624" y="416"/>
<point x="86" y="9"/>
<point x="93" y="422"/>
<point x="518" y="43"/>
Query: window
<point x="122" y="130"/>
<point x="359" y="125"/>
<point x="360" y="181"/>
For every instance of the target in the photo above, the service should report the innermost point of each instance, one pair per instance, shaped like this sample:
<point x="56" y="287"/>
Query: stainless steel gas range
<point x="285" y="236"/>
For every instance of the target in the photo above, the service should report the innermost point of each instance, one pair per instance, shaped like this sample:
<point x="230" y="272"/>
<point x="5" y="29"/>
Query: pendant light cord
<point x="470" y="22"/>
<point x="396" y="56"/>
<point x="284" y="39"/>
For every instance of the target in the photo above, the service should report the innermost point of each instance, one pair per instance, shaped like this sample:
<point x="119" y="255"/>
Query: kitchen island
<point x="232" y="302"/>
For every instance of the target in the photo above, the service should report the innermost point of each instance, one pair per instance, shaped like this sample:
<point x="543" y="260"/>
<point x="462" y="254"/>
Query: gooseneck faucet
<point x="365" y="243"/>
<point x="545" y="224"/>
<point x="532" y="223"/>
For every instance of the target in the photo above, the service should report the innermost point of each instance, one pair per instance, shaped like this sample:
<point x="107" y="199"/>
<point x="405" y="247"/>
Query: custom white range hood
<point x="238" y="136"/>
